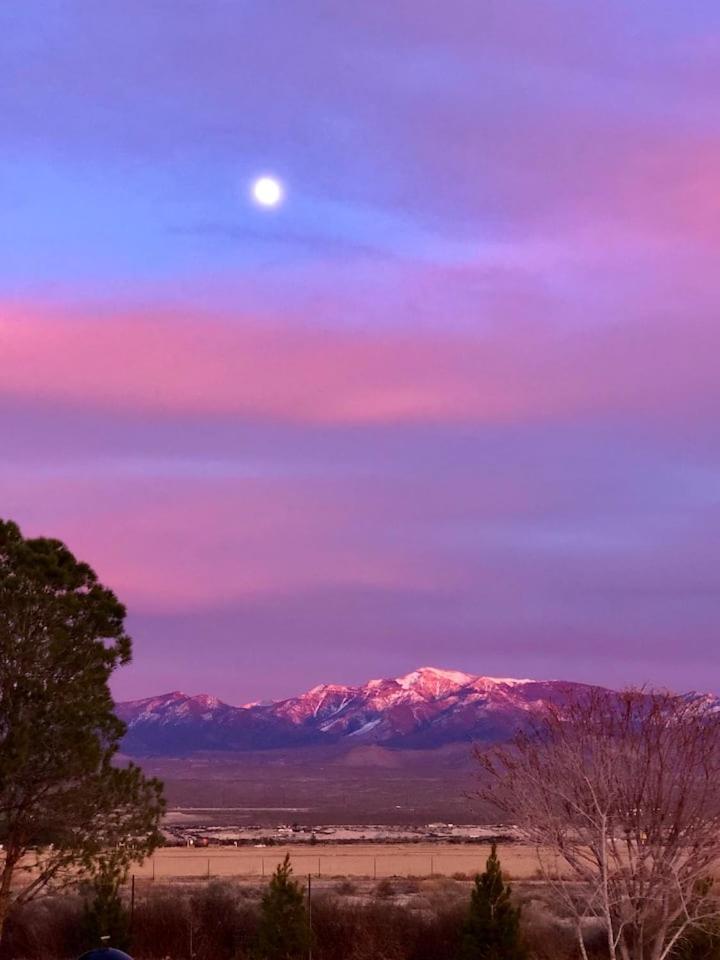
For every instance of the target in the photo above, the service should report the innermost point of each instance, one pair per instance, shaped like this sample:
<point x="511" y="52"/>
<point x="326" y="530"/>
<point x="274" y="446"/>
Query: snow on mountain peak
<point x="430" y="674"/>
<point x="206" y="700"/>
<point x="507" y="681"/>
<point x="322" y="689"/>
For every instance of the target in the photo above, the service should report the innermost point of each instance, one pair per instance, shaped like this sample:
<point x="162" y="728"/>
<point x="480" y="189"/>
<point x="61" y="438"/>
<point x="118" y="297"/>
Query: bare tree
<point x="620" y="795"/>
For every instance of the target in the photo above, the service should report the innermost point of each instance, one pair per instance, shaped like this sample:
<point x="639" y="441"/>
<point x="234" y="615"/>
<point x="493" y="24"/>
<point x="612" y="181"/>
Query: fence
<point x="173" y="864"/>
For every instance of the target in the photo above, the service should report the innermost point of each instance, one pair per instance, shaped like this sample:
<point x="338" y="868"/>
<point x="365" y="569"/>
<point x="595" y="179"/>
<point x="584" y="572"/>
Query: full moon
<point x="267" y="191"/>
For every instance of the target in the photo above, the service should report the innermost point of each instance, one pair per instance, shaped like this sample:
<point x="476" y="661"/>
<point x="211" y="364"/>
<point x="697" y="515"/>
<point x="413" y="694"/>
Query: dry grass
<point x="337" y="860"/>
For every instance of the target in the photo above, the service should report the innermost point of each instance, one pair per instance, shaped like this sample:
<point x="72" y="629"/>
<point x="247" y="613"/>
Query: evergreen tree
<point x="492" y="926"/>
<point x="105" y="915"/>
<point x="284" y="932"/>
<point x="61" y="795"/>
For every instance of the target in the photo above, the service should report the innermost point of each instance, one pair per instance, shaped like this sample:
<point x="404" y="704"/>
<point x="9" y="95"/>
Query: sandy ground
<point x="341" y="860"/>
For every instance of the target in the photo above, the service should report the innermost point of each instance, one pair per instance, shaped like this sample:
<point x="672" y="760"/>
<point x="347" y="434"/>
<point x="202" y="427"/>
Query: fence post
<point x="318" y="866"/>
<point x="153" y="863"/>
<point x="262" y="866"/>
<point x="375" y="867"/>
<point x="208" y="872"/>
<point x="132" y="905"/>
<point x="309" y="917"/>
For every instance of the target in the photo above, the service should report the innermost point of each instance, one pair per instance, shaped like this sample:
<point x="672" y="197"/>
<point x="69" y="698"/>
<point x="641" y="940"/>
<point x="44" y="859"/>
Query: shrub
<point x="406" y="885"/>
<point x="161" y="926"/>
<point x="699" y="944"/>
<point x="222" y="920"/>
<point x="223" y="928"/>
<point x="346" y="888"/>
<point x="384" y="889"/>
<point x="47" y="928"/>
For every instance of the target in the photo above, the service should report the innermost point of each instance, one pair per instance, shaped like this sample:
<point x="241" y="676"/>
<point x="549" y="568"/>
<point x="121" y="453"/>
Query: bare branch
<point x="618" y="792"/>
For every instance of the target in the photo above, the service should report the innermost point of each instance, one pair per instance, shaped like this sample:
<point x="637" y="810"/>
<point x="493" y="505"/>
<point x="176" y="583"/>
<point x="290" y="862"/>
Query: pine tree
<point x="62" y="798"/>
<point x="105" y="915"/>
<point x="284" y="932"/>
<point x="492" y="926"/>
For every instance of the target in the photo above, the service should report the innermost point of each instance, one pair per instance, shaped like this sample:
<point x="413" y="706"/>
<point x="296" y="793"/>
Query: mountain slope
<point x="426" y="708"/>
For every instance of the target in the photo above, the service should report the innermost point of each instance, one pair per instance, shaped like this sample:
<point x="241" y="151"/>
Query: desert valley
<point x="391" y="752"/>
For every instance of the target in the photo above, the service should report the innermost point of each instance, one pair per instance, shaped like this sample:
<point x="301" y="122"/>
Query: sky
<point x="454" y="402"/>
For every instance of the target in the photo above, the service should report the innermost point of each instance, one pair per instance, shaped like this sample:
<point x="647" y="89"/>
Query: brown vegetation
<point x="218" y="921"/>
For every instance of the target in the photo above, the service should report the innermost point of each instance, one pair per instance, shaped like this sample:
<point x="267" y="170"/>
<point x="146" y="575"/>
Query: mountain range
<point x="424" y="709"/>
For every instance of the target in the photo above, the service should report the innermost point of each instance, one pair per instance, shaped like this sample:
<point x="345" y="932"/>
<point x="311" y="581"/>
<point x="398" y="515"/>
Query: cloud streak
<point x="511" y="372"/>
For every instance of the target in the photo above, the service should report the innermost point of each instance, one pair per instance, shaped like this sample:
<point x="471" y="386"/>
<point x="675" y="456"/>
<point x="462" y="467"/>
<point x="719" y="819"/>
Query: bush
<point x="406" y="885"/>
<point x="699" y="944"/>
<point x="221" y="921"/>
<point x="223" y="928"/>
<point x="384" y="890"/>
<point x="375" y="931"/>
<point x="47" y="928"/>
<point x="210" y="923"/>
<point x="161" y="926"/>
<point x="346" y="888"/>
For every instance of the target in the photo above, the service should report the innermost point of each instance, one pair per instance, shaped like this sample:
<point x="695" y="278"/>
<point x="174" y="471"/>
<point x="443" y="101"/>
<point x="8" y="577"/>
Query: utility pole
<point x="309" y="916"/>
<point x="132" y="906"/>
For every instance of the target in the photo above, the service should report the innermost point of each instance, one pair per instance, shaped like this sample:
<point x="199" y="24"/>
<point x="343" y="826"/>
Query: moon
<point x="267" y="191"/>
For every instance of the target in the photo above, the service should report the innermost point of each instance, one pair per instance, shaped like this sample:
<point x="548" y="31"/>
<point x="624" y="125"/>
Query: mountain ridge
<point x="428" y="707"/>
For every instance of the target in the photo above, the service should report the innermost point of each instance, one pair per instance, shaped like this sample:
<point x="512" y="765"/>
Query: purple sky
<point x="455" y="402"/>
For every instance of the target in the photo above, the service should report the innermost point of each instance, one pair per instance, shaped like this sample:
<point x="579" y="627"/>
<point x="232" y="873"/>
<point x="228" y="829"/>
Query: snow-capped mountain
<point x="425" y="708"/>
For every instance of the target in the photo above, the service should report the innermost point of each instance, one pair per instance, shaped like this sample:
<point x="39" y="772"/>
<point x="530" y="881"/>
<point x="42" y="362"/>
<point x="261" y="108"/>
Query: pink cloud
<point x="169" y="542"/>
<point x="300" y="372"/>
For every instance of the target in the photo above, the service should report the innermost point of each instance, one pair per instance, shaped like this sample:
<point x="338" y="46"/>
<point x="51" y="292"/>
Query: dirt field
<point x="319" y="786"/>
<point x="352" y="860"/>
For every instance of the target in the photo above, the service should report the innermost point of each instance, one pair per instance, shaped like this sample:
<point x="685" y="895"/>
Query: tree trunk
<point x="8" y="870"/>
